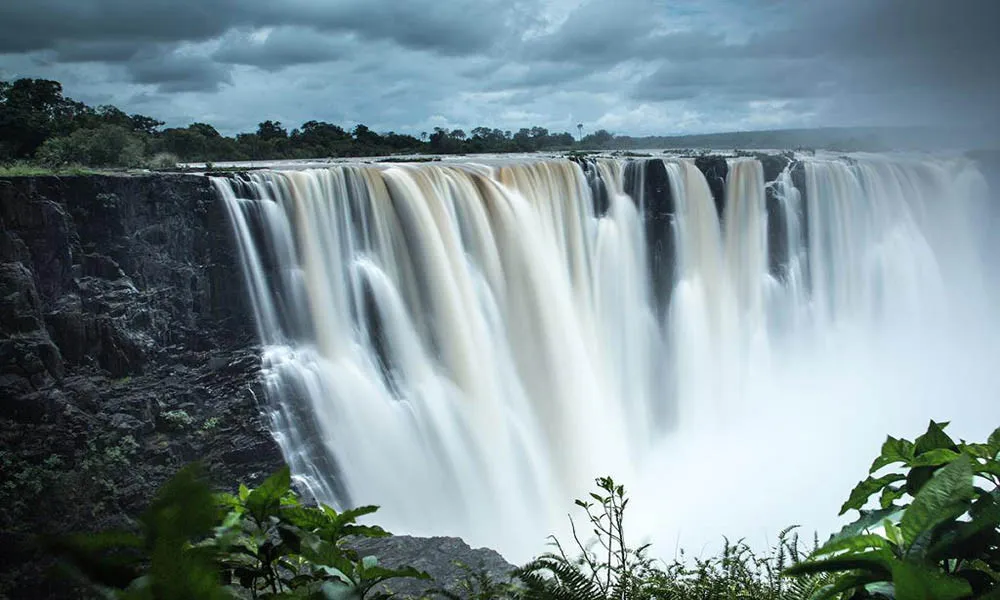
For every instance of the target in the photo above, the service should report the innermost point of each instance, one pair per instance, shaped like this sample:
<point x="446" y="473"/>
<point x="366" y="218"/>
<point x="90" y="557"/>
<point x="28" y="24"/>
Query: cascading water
<point x="469" y="345"/>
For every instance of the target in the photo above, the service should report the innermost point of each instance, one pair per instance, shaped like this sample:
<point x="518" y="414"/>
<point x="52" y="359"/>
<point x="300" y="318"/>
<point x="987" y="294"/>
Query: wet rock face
<point x="648" y="182"/>
<point x="448" y="560"/>
<point x="716" y="169"/>
<point x="127" y="350"/>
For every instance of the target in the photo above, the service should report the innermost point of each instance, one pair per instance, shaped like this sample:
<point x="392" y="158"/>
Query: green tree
<point x="31" y="111"/>
<point x="144" y="124"/>
<point x="188" y="144"/>
<point x="443" y="142"/>
<point x="102" y="146"/>
<point x="396" y="141"/>
<point x="366" y="136"/>
<point x="205" y="129"/>
<point x="271" y="130"/>
<point x="523" y="141"/>
<point x="600" y="139"/>
<point x="318" y="138"/>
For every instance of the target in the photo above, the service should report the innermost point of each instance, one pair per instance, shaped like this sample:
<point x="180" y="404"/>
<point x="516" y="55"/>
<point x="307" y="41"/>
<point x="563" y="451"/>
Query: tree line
<point x="39" y="124"/>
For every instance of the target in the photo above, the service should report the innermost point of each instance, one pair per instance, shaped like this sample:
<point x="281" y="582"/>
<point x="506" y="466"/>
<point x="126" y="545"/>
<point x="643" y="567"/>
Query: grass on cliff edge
<point x="21" y="169"/>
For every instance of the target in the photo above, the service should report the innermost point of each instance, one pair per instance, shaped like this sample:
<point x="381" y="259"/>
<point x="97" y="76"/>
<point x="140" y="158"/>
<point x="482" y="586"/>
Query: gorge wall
<point x="126" y="351"/>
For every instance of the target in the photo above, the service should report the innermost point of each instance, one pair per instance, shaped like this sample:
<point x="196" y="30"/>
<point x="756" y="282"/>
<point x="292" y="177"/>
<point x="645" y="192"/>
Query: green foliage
<point x="741" y="572"/>
<point x="261" y="543"/>
<point x="177" y="419"/>
<point x="478" y="584"/>
<point x="36" y="121"/>
<point x="608" y="567"/>
<point x="210" y="424"/>
<point x="273" y="545"/>
<point x="163" y="161"/>
<point x="34" y="110"/>
<point x="102" y="146"/>
<point x="31" y="111"/>
<point x="158" y="561"/>
<point x="936" y="534"/>
<point x="26" y="169"/>
<point x="102" y="466"/>
<point x="23" y="482"/>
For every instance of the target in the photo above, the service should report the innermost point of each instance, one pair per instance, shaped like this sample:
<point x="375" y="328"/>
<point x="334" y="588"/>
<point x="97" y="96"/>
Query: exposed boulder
<point x="448" y="560"/>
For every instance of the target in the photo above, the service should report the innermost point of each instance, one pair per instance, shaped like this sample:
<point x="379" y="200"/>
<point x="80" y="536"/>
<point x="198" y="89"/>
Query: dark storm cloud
<point x="448" y="27"/>
<point x="737" y="79"/>
<point x="282" y="47"/>
<point x="596" y="33"/>
<point x="601" y="33"/>
<point x="113" y="51"/>
<point x="29" y="25"/>
<point x="939" y="58"/>
<point x="911" y="61"/>
<point x="634" y="66"/>
<point x="535" y="75"/>
<point x="174" y="72"/>
<point x="452" y="28"/>
<point x="116" y="31"/>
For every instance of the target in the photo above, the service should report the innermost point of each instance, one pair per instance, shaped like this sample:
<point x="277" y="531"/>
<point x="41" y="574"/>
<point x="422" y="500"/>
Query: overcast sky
<point x="631" y="66"/>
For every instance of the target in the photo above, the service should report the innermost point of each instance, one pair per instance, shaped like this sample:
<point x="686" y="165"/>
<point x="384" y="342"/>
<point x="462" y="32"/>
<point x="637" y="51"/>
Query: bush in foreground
<point x="936" y="533"/>
<point x="260" y="543"/>
<point x="934" y="536"/>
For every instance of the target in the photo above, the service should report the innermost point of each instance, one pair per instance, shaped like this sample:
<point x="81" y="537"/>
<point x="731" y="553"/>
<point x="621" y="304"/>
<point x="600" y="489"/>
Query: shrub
<point x="210" y="424"/>
<point x="936" y="533"/>
<point x="477" y="584"/>
<point x="741" y="572"/>
<point x="157" y="561"/>
<point x="607" y="567"/>
<point x="262" y="542"/>
<point x="103" y="146"/>
<point x="25" y="481"/>
<point x="178" y="419"/>
<point x="163" y="160"/>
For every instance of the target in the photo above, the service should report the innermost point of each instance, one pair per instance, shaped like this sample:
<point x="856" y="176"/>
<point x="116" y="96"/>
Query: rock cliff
<point x="126" y="351"/>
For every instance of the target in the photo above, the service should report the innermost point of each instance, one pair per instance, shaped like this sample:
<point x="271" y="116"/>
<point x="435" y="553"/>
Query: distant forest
<point x="40" y="125"/>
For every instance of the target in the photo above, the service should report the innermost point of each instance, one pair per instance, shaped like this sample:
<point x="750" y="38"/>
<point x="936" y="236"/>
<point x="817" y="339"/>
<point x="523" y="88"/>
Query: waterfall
<point x="468" y="345"/>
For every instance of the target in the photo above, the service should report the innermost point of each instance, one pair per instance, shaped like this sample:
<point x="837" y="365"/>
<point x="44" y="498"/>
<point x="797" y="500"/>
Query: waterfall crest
<point x="469" y="345"/>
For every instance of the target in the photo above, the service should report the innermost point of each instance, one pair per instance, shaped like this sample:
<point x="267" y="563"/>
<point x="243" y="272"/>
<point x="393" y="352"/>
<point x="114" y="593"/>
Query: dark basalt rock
<point x="715" y="169"/>
<point x="440" y="557"/>
<point x="773" y="165"/>
<point x="777" y="225"/>
<point x="121" y="309"/>
<point x="798" y="173"/>
<point x="598" y="188"/>
<point x="649" y="184"/>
